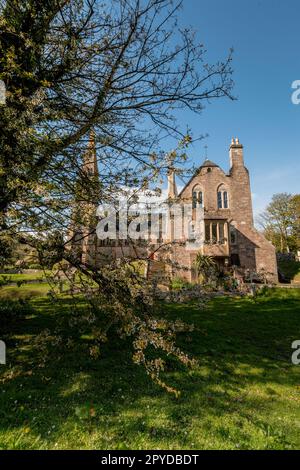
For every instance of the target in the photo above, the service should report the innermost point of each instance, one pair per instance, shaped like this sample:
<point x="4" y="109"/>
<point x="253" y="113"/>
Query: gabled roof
<point x="208" y="163"/>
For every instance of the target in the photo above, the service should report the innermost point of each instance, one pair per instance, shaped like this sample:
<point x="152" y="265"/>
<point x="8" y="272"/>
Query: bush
<point x="177" y="284"/>
<point x="290" y="269"/>
<point x="4" y="280"/>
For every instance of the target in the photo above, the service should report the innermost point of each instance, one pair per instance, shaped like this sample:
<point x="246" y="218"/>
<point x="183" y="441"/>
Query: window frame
<point x="222" y="197"/>
<point x="197" y="197"/>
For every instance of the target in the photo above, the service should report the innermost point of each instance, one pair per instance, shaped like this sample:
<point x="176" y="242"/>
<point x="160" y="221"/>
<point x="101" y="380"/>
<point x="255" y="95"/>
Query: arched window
<point x="223" y="199"/>
<point x="197" y="197"/>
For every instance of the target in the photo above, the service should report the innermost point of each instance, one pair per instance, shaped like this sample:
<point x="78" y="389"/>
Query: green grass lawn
<point x="26" y="291"/>
<point x="245" y="393"/>
<point x="34" y="276"/>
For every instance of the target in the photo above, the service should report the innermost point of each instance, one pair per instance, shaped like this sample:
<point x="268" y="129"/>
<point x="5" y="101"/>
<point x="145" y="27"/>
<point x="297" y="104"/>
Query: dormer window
<point x="223" y="197"/>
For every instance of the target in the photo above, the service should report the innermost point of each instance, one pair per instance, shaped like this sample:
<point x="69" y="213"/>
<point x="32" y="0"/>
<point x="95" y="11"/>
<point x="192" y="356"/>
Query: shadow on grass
<point x="243" y="394"/>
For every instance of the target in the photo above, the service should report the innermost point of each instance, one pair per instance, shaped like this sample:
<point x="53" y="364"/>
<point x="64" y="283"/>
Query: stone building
<point x="229" y="235"/>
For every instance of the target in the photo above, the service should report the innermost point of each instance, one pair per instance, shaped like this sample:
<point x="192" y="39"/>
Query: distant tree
<point x="296" y="225"/>
<point x="280" y="221"/>
<point x="15" y="254"/>
<point x="6" y="250"/>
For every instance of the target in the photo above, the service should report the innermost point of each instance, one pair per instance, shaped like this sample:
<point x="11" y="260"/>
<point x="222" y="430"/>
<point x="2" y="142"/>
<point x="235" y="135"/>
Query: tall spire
<point x="90" y="165"/>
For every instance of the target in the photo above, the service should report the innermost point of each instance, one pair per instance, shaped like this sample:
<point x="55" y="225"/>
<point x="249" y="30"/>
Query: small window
<point x="214" y="232"/>
<point x="200" y="199"/>
<point x="207" y="232"/>
<point x="197" y="197"/>
<point x="194" y="199"/>
<point x="222" y="196"/>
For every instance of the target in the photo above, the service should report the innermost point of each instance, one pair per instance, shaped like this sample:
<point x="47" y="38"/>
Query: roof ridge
<point x="208" y="162"/>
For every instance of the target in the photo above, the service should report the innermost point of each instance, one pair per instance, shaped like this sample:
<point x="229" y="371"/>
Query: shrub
<point x="206" y="267"/>
<point x="177" y="284"/>
<point x="4" y="280"/>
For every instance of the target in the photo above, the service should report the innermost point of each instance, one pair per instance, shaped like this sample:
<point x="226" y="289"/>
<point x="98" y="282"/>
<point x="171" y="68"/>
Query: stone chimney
<point x="236" y="154"/>
<point x="240" y="192"/>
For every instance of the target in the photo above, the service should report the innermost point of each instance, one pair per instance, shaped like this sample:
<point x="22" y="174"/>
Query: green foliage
<point x="4" y="280"/>
<point x="6" y="250"/>
<point x="35" y="266"/>
<point x="25" y="292"/>
<point x="290" y="269"/>
<point x="281" y="222"/>
<point x="178" y="283"/>
<point x="51" y="250"/>
<point x="206" y="267"/>
<point x="15" y="255"/>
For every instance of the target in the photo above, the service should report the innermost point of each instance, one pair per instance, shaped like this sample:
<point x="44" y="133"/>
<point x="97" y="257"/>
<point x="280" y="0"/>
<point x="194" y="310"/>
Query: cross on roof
<point x="206" y="147"/>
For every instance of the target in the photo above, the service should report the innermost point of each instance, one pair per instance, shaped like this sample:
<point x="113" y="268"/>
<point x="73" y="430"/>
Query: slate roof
<point x="208" y="163"/>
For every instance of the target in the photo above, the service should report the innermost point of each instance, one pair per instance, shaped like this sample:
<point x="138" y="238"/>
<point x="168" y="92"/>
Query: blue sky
<point x="265" y="35"/>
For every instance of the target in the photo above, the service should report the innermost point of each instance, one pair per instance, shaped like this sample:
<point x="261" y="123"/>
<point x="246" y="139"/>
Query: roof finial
<point x="206" y="148"/>
<point x="232" y="141"/>
<point x="237" y="142"/>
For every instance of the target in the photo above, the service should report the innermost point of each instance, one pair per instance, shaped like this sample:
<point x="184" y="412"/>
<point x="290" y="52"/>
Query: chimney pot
<point x="236" y="153"/>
